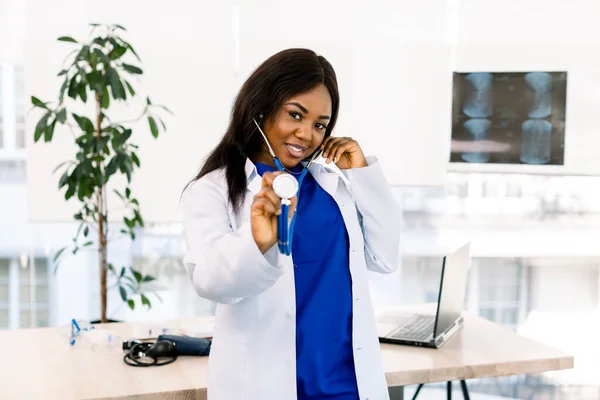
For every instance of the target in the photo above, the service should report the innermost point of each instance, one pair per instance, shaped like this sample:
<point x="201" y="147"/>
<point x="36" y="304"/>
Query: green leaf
<point x="148" y="101"/>
<point x="127" y="168"/>
<point x="131" y="304"/>
<point x="146" y="302"/>
<point x="83" y="92"/>
<point x="105" y="97"/>
<point x="125" y="136"/>
<point x="38" y="103"/>
<point x="132" y="69"/>
<point x="117" y="52"/>
<point x="149" y="278"/>
<point x="49" y="131"/>
<point x="165" y="108"/>
<point x="70" y="191"/>
<point x="78" y="216"/>
<point x="118" y="91"/>
<point x="58" y="254"/>
<point x="112" y="167"/>
<point x="153" y="127"/>
<point x="139" y="217"/>
<point x="119" y="27"/>
<point x="130" y="88"/>
<point x="130" y="47"/>
<point x="41" y="127"/>
<point x="127" y="192"/>
<point x="137" y="275"/>
<point x="135" y="159"/>
<point x="122" y="272"/>
<point x="84" y="123"/>
<point x="73" y="88"/>
<point x="67" y="39"/>
<point x="100" y="55"/>
<point x="62" y="89"/>
<point x="63" y="179"/>
<point x="119" y="194"/>
<point x="61" y="73"/>
<point x="61" y="116"/>
<point x="123" y="293"/>
<point x="88" y="243"/>
<point x="86" y="230"/>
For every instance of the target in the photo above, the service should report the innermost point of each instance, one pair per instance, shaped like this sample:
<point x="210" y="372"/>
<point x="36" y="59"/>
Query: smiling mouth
<point x="295" y="151"/>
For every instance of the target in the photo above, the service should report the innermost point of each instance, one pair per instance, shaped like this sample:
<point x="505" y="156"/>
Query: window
<point x="502" y="284"/>
<point x="24" y="293"/>
<point x="33" y="294"/>
<point x="4" y="293"/>
<point x="20" y="106"/>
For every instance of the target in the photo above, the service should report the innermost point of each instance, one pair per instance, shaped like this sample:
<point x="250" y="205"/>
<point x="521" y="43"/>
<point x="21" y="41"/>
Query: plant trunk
<point x="102" y="228"/>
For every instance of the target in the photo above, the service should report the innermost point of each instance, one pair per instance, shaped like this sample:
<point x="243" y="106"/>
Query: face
<point x="298" y="128"/>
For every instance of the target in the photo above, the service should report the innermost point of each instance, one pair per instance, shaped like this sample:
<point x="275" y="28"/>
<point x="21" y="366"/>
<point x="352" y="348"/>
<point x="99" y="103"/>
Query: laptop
<point x="427" y="330"/>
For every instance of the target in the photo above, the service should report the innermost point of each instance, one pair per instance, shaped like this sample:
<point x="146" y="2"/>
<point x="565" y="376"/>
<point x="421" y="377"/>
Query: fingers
<point x="267" y="195"/>
<point x="269" y="177"/>
<point x="335" y="147"/>
<point x="265" y="207"/>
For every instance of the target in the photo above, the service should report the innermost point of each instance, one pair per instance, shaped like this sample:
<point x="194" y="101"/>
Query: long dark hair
<point x="283" y="75"/>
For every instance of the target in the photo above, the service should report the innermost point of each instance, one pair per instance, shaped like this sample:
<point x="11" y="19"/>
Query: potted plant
<point x="97" y="75"/>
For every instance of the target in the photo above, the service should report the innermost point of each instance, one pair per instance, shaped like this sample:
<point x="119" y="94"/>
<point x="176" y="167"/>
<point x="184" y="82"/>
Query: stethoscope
<point x="285" y="187"/>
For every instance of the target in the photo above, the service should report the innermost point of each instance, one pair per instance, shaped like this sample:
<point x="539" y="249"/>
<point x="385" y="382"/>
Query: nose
<point x="304" y="132"/>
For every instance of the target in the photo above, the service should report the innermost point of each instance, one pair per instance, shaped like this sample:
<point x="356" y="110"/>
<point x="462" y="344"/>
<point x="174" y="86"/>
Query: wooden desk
<point x="40" y="364"/>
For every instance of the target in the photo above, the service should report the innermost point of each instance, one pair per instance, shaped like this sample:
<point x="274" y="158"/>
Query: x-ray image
<point x="509" y="117"/>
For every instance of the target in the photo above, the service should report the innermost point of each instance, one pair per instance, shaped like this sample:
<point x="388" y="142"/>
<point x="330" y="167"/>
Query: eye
<point x="320" y="126"/>
<point x="295" y="115"/>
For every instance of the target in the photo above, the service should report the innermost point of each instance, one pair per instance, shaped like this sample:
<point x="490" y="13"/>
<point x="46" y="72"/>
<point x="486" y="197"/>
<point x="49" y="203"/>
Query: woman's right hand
<point x="265" y="209"/>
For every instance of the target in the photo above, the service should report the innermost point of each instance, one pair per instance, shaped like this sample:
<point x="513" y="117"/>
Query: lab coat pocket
<point x="228" y="370"/>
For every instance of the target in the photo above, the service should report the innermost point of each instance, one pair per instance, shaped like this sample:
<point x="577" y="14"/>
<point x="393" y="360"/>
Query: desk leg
<point x="396" y="392"/>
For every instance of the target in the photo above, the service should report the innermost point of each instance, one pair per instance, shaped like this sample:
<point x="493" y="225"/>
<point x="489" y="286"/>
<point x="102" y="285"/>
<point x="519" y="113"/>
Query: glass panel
<point x="25" y="319"/>
<point x="42" y="318"/>
<point x="510" y="316"/>
<point x="3" y="318"/>
<point x="24" y="293"/>
<point x="41" y="268"/>
<point x="3" y="293"/>
<point x="24" y="274"/>
<point x="41" y="294"/>
<point x="4" y="266"/>
<point x="488" y="313"/>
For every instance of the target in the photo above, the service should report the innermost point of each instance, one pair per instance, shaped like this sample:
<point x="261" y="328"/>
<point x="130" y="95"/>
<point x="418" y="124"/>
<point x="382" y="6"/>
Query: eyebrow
<point x="305" y="111"/>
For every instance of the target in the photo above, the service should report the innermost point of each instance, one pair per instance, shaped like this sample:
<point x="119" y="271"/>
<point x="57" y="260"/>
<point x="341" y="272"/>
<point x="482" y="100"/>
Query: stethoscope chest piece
<point x="285" y="186"/>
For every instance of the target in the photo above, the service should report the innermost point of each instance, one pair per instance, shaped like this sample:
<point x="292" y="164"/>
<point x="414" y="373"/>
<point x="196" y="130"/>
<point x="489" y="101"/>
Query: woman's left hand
<point x="345" y="152"/>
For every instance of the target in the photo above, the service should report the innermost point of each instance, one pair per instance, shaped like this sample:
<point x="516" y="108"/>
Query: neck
<point x="264" y="158"/>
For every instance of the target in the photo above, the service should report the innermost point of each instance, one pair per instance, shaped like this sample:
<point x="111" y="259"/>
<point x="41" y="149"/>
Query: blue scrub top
<point x="320" y="247"/>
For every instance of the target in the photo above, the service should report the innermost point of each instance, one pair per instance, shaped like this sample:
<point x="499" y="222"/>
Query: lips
<point x="295" y="150"/>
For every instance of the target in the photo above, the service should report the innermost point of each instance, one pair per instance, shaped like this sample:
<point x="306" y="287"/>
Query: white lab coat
<point x="253" y="355"/>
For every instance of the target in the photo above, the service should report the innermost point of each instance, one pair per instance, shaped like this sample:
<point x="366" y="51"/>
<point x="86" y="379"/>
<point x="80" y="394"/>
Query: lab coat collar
<point x="328" y="180"/>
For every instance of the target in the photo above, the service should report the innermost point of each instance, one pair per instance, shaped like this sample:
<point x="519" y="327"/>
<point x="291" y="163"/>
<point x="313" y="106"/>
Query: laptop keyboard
<point x="417" y="327"/>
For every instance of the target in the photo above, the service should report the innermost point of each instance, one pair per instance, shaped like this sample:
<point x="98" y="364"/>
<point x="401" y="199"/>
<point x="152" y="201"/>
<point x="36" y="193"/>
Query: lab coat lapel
<point x="253" y="179"/>
<point x="328" y="180"/>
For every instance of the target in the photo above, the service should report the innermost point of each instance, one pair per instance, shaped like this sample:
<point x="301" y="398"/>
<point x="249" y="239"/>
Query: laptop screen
<point x="453" y="288"/>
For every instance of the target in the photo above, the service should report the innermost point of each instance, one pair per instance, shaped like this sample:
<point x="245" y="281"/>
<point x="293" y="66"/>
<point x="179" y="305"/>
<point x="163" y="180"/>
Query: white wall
<point x="564" y="289"/>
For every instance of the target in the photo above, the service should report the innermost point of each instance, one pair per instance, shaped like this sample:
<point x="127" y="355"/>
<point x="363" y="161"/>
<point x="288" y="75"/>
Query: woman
<point x="298" y="326"/>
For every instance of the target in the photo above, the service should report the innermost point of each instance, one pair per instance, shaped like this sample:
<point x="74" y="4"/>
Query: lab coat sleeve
<point x="223" y="265"/>
<point x="380" y="216"/>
